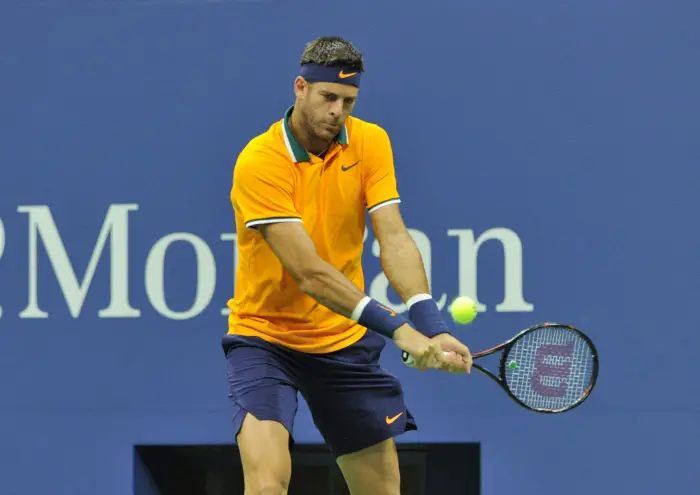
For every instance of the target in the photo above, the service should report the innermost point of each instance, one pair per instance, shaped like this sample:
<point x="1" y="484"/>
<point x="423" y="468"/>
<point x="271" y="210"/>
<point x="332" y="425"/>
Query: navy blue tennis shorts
<point x="353" y="401"/>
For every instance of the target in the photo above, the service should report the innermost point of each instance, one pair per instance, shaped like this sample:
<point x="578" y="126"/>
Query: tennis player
<point x="300" y="321"/>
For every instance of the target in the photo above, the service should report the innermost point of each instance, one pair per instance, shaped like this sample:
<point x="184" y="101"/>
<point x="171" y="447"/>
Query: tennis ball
<point x="463" y="310"/>
<point x="512" y="365"/>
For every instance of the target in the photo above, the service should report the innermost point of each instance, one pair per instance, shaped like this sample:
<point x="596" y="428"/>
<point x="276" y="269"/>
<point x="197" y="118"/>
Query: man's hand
<point x="426" y="352"/>
<point x="459" y="359"/>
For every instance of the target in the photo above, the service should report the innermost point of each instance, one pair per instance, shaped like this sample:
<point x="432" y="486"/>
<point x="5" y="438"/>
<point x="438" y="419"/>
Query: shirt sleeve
<point x="380" y="178"/>
<point x="263" y="192"/>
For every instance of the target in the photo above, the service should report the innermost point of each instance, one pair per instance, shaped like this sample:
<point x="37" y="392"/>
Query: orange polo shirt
<point x="276" y="180"/>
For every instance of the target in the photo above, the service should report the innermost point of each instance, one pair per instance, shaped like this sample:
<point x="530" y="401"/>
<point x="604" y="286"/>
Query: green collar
<point x="296" y="151"/>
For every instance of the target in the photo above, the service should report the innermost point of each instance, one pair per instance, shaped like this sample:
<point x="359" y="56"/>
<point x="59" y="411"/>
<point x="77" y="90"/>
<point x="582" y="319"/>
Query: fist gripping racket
<point x="547" y="368"/>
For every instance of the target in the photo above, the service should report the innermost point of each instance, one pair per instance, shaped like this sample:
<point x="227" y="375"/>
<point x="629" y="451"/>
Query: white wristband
<point x="417" y="298"/>
<point x="357" y="312"/>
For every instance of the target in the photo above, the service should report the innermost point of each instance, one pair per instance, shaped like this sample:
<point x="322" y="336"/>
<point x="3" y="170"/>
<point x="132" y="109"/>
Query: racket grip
<point x="410" y="361"/>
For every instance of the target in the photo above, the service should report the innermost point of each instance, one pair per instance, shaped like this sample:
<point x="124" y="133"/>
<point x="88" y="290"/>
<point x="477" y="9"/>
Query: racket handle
<point x="409" y="361"/>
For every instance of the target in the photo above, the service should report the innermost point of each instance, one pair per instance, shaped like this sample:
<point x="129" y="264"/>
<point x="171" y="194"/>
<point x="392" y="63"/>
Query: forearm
<point x="331" y="288"/>
<point x="403" y="266"/>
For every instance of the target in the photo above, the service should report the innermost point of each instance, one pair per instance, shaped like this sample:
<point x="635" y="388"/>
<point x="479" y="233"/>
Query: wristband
<point x="425" y="314"/>
<point x="369" y="313"/>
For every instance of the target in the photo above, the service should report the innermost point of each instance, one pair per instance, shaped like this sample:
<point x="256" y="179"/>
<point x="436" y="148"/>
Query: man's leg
<point x="264" y="396"/>
<point x="267" y="464"/>
<point x="373" y="470"/>
<point x="359" y="409"/>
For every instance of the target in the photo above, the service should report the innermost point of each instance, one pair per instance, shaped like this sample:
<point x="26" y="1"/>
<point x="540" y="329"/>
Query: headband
<point x="338" y="73"/>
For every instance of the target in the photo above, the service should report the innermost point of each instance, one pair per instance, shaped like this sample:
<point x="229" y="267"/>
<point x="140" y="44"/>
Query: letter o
<point x="206" y="275"/>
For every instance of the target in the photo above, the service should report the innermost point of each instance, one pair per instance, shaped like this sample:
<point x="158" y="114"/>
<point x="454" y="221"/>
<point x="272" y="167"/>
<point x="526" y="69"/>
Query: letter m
<point x="115" y="227"/>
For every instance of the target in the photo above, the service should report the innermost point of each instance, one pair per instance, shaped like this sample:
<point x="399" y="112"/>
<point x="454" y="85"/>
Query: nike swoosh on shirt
<point x="345" y="169"/>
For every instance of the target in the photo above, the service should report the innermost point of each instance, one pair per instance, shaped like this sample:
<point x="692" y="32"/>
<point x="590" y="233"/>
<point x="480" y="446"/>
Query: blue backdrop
<point x="547" y="155"/>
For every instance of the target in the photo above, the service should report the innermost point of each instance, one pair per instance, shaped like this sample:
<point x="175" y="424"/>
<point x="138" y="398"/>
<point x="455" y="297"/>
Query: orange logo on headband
<point x="343" y="75"/>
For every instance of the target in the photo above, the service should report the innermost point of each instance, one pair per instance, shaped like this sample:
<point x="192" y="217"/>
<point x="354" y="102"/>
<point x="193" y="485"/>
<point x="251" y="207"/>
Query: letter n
<point x="513" y="274"/>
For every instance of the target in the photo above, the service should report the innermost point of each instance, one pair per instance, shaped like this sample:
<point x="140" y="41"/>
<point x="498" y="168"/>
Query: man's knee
<point x="267" y="486"/>
<point x="266" y="478"/>
<point x="372" y="471"/>
<point x="267" y="464"/>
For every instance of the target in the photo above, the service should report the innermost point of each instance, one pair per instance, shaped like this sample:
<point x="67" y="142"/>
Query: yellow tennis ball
<point x="463" y="310"/>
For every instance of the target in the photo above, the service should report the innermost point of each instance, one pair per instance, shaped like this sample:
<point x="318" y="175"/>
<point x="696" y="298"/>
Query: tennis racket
<point x="547" y="368"/>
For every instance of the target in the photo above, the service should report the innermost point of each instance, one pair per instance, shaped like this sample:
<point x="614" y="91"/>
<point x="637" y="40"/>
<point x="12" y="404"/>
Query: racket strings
<point x="553" y="368"/>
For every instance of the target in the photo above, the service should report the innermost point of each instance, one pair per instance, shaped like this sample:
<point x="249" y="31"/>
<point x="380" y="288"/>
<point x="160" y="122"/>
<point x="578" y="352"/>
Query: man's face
<point x="326" y="107"/>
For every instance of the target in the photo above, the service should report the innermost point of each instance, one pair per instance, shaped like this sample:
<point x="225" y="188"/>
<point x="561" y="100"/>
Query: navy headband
<point x="341" y="74"/>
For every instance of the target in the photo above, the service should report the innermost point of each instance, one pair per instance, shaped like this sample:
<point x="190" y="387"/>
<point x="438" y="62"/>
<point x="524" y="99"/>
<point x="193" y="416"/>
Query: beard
<point x="317" y="130"/>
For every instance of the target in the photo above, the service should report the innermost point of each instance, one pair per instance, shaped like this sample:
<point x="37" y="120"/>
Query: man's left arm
<point x="400" y="258"/>
<point x="403" y="266"/>
<point x="401" y="261"/>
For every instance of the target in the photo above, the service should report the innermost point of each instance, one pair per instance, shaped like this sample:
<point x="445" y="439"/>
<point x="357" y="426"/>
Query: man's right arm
<point x="262" y="195"/>
<point x="316" y="278"/>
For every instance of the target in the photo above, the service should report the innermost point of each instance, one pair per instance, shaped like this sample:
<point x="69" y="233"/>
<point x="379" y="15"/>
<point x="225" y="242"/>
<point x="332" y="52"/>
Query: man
<point x="300" y="321"/>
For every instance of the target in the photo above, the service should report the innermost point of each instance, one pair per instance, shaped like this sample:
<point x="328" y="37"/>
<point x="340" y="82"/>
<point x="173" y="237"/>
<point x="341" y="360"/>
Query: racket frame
<point x="503" y="367"/>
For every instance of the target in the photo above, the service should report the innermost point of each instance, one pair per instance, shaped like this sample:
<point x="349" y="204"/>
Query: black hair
<point x="332" y="50"/>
